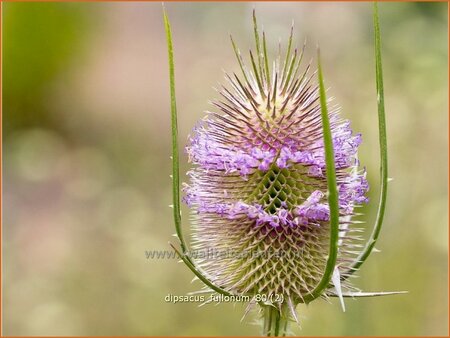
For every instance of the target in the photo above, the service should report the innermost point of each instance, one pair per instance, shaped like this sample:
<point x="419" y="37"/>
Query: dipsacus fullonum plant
<point x="258" y="188"/>
<point x="275" y="186"/>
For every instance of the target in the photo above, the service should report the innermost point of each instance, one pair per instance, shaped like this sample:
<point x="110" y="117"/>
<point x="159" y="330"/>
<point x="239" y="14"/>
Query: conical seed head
<point x="258" y="187"/>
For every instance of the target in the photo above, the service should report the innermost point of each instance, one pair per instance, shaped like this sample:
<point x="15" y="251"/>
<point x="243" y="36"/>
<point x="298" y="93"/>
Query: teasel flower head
<point x="258" y="187"/>
<point x="275" y="186"/>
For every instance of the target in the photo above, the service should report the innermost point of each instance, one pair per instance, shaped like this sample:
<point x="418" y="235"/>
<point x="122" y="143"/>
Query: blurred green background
<point x="86" y="140"/>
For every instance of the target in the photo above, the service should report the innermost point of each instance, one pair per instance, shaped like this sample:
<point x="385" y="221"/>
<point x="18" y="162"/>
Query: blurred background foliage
<point x="86" y="160"/>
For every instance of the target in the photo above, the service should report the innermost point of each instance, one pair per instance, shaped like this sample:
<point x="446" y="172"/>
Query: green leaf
<point x="383" y="151"/>
<point x="333" y="198"/>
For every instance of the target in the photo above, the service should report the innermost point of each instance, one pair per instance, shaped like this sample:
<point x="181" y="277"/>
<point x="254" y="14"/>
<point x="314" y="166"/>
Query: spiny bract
<point x="258" y="190"/>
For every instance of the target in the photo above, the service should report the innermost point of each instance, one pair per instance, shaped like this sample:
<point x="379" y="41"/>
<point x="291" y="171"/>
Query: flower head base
<point x="258" y="188"/>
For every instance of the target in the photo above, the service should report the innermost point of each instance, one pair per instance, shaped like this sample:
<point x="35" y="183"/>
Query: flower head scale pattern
<point x="258" y="187"/>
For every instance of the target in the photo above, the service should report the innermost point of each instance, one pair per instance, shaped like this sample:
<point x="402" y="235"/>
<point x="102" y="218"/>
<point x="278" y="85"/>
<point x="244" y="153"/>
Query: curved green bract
<point x="333" y="199"/>
<point x="175" y="156"/>
<point x="175" y="168"/>
<point x="383" y="151"/>
<point x="361" y="294"/>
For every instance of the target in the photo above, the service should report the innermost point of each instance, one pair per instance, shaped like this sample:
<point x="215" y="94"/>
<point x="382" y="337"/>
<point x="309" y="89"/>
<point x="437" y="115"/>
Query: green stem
<point x="275" y="322"/>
